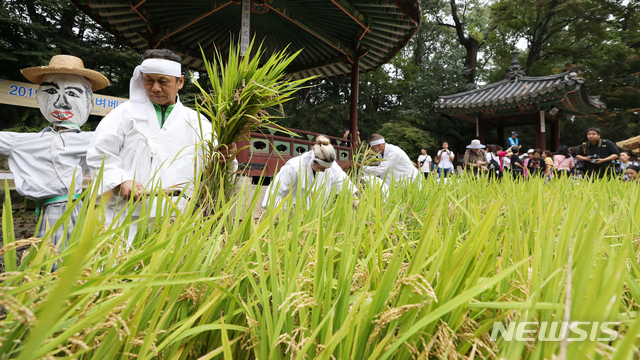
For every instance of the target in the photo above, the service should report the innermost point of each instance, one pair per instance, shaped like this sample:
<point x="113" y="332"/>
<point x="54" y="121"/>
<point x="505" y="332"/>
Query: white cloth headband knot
<point x="137" y="94"/>
<point x="377" y="142"/>
<point x="322" y="163"/>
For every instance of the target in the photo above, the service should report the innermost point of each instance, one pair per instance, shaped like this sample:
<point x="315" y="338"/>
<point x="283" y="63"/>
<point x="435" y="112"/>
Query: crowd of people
<point x="596" y="157"/>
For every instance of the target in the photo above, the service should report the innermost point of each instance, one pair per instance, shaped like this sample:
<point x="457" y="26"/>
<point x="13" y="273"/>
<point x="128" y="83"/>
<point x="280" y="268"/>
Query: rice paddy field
<point x="423" y="274"/>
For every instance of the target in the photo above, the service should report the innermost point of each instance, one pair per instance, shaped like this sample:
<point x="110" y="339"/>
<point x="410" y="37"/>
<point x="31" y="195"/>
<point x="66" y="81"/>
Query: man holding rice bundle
<point x="311" y="172"/>
<point x="395" y="165"/>
<point x="152" y="139"/>
<point x="46" y="164"/>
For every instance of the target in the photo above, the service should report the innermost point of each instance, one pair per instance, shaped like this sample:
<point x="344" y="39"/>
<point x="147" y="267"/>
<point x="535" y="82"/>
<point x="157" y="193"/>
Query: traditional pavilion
<point x="523" y="100"/>
<point x="335" y="36"/>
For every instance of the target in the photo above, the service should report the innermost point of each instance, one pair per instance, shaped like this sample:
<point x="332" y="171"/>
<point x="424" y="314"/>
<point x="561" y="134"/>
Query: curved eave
<point x="566" y="93"/>
<point x="373" y="30"/>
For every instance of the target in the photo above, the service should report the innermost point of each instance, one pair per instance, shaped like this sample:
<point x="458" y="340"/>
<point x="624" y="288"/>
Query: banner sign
<point x="245" y="26"/>
<point x="24" y="94"/>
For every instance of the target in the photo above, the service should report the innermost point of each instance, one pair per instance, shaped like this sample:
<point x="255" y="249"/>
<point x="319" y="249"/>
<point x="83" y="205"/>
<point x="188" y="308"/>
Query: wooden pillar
<point x="500" y="139"/>
<point x="480" y="131"/>
<point x="556" y="133"/>
<point x="540" y="128"/>
<point x="353" y="114"/>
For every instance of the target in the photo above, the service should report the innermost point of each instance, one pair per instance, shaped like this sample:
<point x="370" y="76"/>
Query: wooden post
<point x="353" y="114"/>
<point x="539" y="131"/>
<point x="480" y="130"/>
<point x="556" y="133"/>
<point x="501" y="141"/>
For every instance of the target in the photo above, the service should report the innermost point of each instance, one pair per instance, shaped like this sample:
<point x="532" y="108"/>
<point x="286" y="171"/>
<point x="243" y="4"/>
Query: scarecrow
<point x="45" y="164"/>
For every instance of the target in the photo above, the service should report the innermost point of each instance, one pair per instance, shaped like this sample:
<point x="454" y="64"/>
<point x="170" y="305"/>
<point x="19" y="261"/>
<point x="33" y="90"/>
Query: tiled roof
<point x="566" y="91"/>
<point x="521" y="90"/>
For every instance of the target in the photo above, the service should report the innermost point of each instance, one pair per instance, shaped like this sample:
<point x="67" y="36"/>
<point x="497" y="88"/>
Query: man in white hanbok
<point x="151" y="140"/>
<point x="395" y="165"/>
<point x="45" y="164"/>
<point x="311" y="172"/>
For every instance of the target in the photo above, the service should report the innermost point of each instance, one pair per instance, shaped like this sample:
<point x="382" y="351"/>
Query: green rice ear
<point x="243" y="93"/>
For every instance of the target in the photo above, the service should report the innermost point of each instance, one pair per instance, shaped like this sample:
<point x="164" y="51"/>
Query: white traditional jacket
<point x="134" y="147"/>
<point x="395" y="165"/>
<point x="44" y="164"/>
<point x="297" y="172"/>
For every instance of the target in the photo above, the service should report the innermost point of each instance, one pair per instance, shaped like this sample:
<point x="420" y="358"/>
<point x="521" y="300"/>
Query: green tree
<point x="31" y="31"/>
<point x="466" y="20"/>
<point x="408" y="137"/>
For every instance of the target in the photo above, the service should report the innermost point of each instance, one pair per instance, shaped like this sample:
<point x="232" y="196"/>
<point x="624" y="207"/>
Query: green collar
<point x="161" y="119"/>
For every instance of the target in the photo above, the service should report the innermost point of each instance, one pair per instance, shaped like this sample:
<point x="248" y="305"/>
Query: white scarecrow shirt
<point x="45" y="164"/>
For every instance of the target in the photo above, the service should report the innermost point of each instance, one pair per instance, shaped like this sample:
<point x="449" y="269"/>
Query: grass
<point x="422" y="275"/>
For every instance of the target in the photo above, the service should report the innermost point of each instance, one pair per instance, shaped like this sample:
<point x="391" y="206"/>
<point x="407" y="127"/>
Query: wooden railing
<point x="264" y="152"/>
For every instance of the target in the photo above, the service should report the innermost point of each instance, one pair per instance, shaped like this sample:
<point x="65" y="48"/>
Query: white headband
<point x="137" y="95"/>
<point x="161" y="66"/>
<point x="323" y="163"/>
<point x="376" y="142"/>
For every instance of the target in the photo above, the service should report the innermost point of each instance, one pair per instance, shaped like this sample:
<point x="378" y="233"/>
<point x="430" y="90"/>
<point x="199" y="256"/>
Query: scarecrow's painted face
<point x="65" y="97"/>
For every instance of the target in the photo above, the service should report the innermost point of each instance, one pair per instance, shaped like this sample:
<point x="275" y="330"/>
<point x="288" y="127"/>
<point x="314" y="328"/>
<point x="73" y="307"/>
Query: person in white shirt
<point x="445" y="158"/>
<point x="424" y="162"/>
<point x="151" y="140"/>
<point x="311" y="172"/>
<point x="394" y="166"/>
<point x="45" y="164"/>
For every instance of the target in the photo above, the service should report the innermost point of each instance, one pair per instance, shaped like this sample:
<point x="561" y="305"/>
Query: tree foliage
<point x="32" y="31"/>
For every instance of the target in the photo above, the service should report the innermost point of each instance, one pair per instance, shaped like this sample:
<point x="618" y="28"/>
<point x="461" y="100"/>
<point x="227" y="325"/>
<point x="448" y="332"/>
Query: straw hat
<point x="66" y="64"/>
<point x="475" y="144"/>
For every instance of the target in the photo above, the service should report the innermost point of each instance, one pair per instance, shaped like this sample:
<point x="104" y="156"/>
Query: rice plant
<point x="422" y="275"/>
<point x="243" y="93"/>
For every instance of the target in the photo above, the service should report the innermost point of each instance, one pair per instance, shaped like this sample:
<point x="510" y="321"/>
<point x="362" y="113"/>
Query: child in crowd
<point x="548" y="160"/>
<point x="537" y="165"/>
<point x="501" y="156"/>
<point x="517" y="168"/>
<point x="493" y="162"/>
<point x="563" y="163"/>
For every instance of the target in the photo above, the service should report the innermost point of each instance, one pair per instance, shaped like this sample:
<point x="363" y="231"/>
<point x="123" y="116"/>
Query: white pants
<point x="111" y="216"/>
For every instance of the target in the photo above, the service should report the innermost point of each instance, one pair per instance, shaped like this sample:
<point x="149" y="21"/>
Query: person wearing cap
<point x="597" y="154"/>
<point x="475" y="158"/>
<point x="395" y="165"/>
<point x="45" y="164"/>
<point x="310" y="172"/>
<point x="151" y="140"/>
<point x="513" y="141"/>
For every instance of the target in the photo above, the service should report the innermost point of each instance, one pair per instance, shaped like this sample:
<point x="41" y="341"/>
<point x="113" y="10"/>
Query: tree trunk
<point x="470" y="44"/>
<point x="471" y="59"/>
